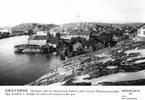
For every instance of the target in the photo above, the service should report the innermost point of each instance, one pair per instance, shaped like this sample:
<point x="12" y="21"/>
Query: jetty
<point x="27" y="48"/>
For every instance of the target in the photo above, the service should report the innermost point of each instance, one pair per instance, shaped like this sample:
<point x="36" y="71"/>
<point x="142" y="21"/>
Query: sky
<point x="14" y="12"/>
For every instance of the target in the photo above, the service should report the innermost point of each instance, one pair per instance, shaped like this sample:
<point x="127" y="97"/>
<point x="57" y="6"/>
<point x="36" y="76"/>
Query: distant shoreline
<point x="10" y="36"/>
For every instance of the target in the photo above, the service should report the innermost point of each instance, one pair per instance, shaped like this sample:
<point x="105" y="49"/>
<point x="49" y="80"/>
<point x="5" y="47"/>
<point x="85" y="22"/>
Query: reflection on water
<point x="19" y="69"/>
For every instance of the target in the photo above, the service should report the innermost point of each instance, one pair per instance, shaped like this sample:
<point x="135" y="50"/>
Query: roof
<point x="4" y="30"/>
<point x="89" y="43"/>
<point x="79" y="33"/>
<point x="78" y="39"/>
<point x="141" y="26"/>
<point x="38" y="37"/>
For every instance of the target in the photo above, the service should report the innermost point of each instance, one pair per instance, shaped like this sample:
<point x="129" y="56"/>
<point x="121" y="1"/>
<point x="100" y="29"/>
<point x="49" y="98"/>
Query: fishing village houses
<point x="78" y="42"/>
<point x="73" y="42"/>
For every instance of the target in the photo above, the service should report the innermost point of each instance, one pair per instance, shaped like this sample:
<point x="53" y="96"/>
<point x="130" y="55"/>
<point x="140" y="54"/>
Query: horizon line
<point x="128" y="22"/>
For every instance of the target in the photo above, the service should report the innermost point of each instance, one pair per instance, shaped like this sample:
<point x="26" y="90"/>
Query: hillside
<point x="120" y="65"/>
<point x="33" y="27"/>
<point x="68" y="27"/>
<point x="95" y="26"/>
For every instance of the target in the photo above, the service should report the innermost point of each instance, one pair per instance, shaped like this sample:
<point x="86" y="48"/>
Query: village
<point x="74" y="42"/>
<point x="101" y="67"/>
<point x="66" y="45"/>
<point x="92" y="52"/>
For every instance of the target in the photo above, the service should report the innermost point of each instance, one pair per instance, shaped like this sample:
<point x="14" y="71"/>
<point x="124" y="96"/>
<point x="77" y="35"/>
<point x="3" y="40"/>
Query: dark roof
<point x="17" y="31"/>
<point x="133" y="31"/>
<point x="89" y="43"/>
<point x="79" y="33"/>
<point x="78" y="39"/>
<point x="41" y="38"/>
<point x="38" y="37"/>
<point x="141" y="26"/>
<point x="104" y="37"/>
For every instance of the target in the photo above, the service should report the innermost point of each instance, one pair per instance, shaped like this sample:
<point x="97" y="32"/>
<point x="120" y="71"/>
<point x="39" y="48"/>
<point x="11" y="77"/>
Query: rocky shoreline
<point x="127" y="57"/>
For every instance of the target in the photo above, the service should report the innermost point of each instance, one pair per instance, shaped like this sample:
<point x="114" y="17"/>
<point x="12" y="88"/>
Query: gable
<point x="142" y="27"/>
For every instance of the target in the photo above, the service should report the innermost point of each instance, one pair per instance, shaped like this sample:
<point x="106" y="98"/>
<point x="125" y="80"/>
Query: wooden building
<point x="40" y="38"/>
<point x="76" y="34"/>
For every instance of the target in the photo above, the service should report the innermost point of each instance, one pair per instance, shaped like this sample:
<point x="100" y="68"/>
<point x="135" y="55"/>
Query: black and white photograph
<point x="72" y="43"/>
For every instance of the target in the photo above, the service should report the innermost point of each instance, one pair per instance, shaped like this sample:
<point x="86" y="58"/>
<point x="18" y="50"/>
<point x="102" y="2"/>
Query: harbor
<point x="22" y="68"/>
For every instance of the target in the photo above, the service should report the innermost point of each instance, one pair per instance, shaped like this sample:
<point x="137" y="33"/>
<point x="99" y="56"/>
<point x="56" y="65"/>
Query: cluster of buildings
<point x="42" y="37"/>
<point x="76" y="42"/>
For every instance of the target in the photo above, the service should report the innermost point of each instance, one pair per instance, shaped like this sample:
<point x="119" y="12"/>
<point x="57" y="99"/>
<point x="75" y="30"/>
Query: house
<point x="41" y="33"/>
<point x="141" y="31"/>
<point x="104" y="38"/>
<point x="4" y="33"/>
<point x="17" y="32"/>
<point x="77" y="46"/>
<point x="90" y="45"/>
<point x="53" y="42"/>
<point x="75" y="34"/>
<point x="40" y="38"/>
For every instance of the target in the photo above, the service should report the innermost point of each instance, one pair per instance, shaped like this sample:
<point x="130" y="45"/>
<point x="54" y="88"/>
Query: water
<point x="20" y="69"/>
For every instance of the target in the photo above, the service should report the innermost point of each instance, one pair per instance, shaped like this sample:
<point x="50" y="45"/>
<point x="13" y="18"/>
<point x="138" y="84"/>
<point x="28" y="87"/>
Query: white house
<point x="75" y="34"/>
<point x="40" y="33"/>
<point x="141" y="31"/>
<point x="40" y="38"/>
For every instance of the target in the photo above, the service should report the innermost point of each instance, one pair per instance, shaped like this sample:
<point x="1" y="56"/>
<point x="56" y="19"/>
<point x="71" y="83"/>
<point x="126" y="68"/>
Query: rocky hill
<point x="33" y="27"/>
<point x="123" y="64"/>
<point x="81" y="26"/>
<point x="87" y="26"/>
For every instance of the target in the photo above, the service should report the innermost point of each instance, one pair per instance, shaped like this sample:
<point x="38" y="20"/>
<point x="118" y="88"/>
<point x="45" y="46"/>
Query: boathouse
<point x="40" y="38"/>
